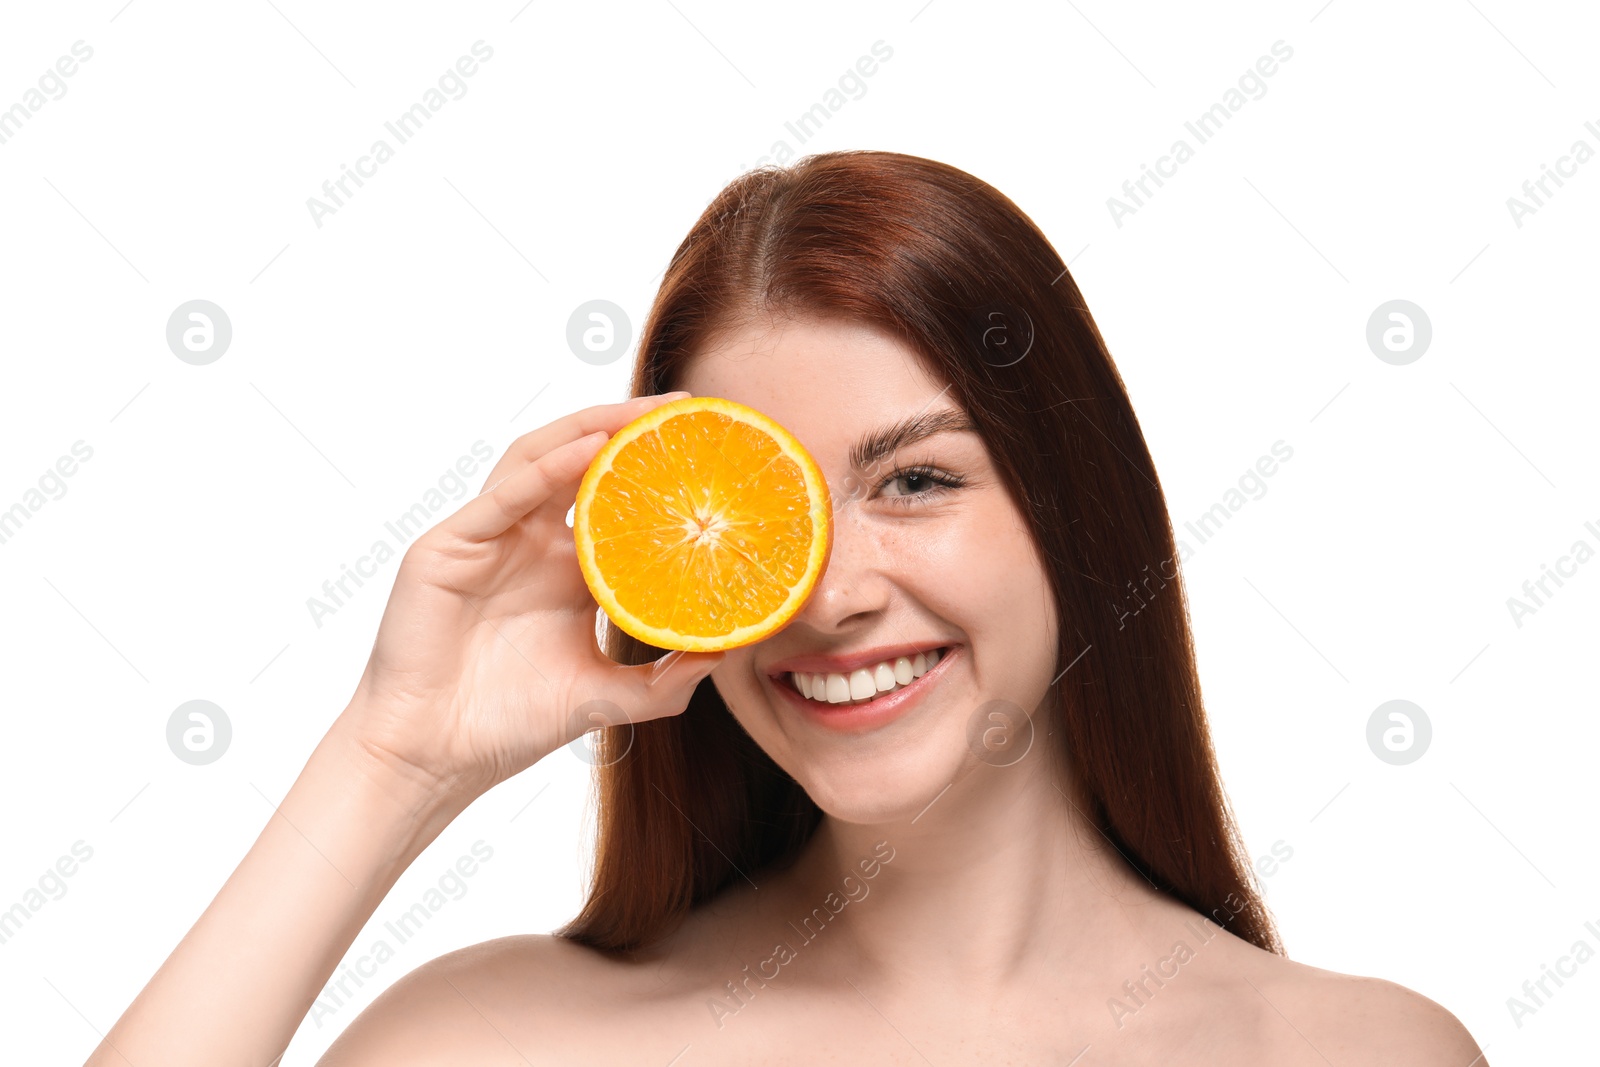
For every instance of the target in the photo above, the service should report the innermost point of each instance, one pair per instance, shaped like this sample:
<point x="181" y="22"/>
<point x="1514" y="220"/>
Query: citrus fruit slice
<point x="702" y="525"/>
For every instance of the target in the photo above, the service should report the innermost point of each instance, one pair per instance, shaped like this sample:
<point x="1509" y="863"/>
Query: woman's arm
<point x="484" y="657"/>
<point x="238" y="985"/>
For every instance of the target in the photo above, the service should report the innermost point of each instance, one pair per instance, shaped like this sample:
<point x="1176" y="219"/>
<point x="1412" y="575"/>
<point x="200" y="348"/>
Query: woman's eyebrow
<point x="884" y="442"/>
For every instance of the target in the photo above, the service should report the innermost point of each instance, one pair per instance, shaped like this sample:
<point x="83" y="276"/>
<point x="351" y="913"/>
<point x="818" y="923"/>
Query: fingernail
<point x="677" y="394"/>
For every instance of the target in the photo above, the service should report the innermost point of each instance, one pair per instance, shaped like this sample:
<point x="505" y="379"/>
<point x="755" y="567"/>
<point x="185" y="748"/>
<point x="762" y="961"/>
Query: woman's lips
<point x="869" y="714"/>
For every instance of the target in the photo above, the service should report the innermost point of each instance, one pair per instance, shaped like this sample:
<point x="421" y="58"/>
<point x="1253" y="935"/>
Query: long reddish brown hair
<point x="955" y="270"/>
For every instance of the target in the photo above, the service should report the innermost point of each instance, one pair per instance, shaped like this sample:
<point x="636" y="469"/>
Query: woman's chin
<point x="879" y="793"/>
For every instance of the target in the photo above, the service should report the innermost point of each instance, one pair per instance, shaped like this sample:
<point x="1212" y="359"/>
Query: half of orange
<point x="702" y="525"/>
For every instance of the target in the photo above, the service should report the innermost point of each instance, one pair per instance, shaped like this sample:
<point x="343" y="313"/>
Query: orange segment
<point x="702" y="525"/>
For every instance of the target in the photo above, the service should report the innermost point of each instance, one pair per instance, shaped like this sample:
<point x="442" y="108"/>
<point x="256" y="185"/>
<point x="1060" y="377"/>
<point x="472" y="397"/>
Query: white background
<point x="430" y="312"/>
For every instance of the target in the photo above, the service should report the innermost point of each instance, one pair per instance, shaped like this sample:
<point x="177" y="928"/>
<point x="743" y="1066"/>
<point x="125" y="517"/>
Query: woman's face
<point x="929" y="552"/>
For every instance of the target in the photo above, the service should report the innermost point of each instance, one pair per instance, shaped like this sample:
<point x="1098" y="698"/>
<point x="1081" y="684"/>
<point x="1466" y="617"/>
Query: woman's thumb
<point x="654" y="690"/>
<point x="680" y="672"/>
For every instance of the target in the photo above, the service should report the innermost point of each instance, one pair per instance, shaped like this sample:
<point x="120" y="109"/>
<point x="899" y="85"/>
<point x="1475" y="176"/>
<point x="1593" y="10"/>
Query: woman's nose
<point x="854" y="586"/>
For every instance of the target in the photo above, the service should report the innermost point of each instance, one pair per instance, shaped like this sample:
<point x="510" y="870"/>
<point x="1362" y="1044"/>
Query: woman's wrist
<point x="408" y="792"/>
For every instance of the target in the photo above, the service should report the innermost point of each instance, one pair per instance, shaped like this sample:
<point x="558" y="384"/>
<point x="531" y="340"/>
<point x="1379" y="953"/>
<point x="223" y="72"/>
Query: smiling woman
<point x="874" y="304"/>
<point x="999" y="500"/>
<point x="952" y="692"/>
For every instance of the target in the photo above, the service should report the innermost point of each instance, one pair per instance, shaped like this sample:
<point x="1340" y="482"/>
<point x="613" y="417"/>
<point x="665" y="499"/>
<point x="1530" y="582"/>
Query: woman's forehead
<point x="829" y="359"/>
<point x="829" y="382"/>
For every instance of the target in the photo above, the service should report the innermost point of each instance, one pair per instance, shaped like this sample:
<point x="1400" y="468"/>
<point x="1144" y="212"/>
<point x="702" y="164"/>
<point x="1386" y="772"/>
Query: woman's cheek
<point x="983" y="574"/>
<point x="982" y="556"/>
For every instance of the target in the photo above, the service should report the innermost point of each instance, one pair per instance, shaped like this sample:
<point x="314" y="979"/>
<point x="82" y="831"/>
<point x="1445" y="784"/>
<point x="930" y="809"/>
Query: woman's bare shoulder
<point x="1354" y="1019"/>
<point x="547" y="999"/>
<point x="505" y="1000"/>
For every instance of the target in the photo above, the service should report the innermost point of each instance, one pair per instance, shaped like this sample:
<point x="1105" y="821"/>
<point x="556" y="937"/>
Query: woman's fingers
<point x="548" y="460"/>
<point x="607" y="417"/>
<point x="655" y="690"/>
<point x="494" y="511"/>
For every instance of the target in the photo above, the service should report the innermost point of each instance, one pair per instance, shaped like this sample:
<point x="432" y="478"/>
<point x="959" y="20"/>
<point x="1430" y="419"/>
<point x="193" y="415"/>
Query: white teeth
<point x="883" y="677"/>
<point x="864" y="683"/>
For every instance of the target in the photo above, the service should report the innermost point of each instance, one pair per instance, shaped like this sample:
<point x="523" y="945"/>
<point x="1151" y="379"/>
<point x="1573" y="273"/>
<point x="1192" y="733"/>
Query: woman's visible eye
<point x="907" y="483"/>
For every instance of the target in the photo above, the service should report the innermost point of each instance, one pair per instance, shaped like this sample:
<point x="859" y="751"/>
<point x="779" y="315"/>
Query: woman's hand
<point x="487" y="646"/>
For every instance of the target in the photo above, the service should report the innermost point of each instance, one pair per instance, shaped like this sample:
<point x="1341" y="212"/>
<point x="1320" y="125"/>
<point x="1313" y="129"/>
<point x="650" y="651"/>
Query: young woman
<point x="1023" y="855"/>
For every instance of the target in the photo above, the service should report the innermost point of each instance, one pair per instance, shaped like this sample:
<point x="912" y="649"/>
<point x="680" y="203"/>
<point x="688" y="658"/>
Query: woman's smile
<point x="867" y="690"/>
